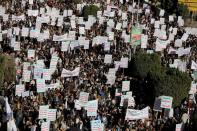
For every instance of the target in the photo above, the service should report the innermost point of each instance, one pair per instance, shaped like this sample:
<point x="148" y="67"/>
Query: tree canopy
<point x="7" y="69"/>
<point x="173" y="6"/>
<point x="76" y="1"/>
<point x="159" y="80"/>
<point x="90" y="10"/>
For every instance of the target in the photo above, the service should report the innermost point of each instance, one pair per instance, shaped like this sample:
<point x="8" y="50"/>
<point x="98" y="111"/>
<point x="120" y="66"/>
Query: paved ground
<point x="188" y="22"/>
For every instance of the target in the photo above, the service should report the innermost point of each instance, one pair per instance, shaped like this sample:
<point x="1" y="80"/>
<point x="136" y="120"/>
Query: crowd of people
<point x="59" y="54"/>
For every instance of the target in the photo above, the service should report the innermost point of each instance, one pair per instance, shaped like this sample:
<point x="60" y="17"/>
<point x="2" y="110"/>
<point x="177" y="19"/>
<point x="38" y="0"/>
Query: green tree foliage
<point x="7" y="69"/>
<point x="90" y="10"/>
<point x="76" y="1"/>
<point x="182" y="10"/>
<point x="144" y="64"/>
<point x="173" y="6"/>
<point x="168" y="5"/>
<point x="159" y="80"/>
<point x="174" y="83"/>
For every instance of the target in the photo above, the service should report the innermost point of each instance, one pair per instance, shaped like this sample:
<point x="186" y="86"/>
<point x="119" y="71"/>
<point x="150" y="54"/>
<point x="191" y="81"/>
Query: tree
<point x="174" y="83"/>
<point x="158" y="80"/>
<point x="90" y="10"/>
<point x="182" y="10"/>
<point x="76" y="1"/>
<point x="7" y="69"/>
<point x="169" y="5"/>
<point x="143" y="64"/>
<point x="173" y="6"/>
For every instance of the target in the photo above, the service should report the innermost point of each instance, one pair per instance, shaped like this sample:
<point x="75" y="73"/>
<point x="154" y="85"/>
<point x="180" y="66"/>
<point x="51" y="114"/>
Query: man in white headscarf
<point x="11" y="126"/>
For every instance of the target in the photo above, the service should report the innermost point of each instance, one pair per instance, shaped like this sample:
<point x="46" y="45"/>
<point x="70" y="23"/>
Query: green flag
<point x="136" y="35"/>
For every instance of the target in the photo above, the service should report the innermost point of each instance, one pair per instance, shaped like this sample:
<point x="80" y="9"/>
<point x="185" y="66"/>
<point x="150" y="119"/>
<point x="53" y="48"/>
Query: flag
<point x="136" y="35"/>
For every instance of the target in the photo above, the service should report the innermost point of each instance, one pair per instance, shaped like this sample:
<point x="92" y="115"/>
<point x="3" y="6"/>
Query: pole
<point x="138" y="10"/>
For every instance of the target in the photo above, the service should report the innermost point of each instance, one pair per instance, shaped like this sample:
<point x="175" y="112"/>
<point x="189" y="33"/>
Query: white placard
<point x="144" y="40"/>
<point x="40" y="85"/>
<point x="125" y="85"/>
<point x="92" y="107"/>
<point x="65" y="46"/>
<point x="51" y="114"/>
<point x="25" y="32"/>
<point x="19" y="90"/>
<point x="161" y="13"/>
<point x="108" y="59"/>
<point x="43" y="110"/>
<point x="31" y="53"/>
<point x="166" y="102"/>
<point x="83" y="98"/>
<point x="124" y="62"/>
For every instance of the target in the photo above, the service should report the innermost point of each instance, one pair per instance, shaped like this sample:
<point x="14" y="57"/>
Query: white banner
<point x="68" y="73"/>
<point x="60" y="38"/>
<point x="32" y="12"/>
<point x="137" y="114"/>
<point x="182" y="51"/>
<point x="18" y="18"/>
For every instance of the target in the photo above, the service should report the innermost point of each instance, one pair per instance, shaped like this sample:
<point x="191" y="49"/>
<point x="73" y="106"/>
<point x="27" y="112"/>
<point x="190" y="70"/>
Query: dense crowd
<point x="50" y="41"/>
